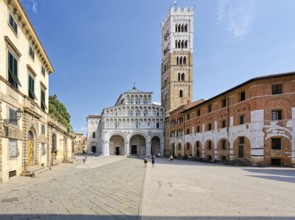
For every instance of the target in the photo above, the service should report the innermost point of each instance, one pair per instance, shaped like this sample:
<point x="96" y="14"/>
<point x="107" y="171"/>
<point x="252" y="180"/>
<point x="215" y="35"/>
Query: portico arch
<point x="137" y="145"/>
<point x="117" y="146"/>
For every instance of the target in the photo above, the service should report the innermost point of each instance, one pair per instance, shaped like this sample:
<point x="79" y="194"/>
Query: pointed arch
<point x="180" y="61"/>
<point x="185" y="44"/>
<point x="182" y="44"/>
<point x="184" y="60"/>
<point x="179" y="76"/>
<point x="177" y="60"/>
<point x="185" y="28"/>
<point x="178" y="44"/>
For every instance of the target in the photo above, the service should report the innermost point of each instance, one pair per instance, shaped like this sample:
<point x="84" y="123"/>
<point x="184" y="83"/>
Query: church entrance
<point x="138" y="145"/>
<point x="116" y="146"/>
<point x="133" y="149"/>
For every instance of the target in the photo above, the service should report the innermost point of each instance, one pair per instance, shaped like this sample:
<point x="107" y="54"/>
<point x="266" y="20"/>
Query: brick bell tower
<point x="177" y="62"/>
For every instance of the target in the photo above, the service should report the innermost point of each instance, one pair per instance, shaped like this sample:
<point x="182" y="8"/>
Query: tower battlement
<point x="174" y="10"/>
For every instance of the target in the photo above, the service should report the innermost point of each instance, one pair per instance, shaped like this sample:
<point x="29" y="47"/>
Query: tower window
<point x="182" y="76"/>
<point x="184" y="60"/>
<point x="179" y="76"/>
<point x="177" y="60"/>
<point x="181" y="93"/>
<point x="185" y="28"/>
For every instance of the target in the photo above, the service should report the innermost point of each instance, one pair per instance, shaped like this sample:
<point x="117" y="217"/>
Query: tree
<point x="59" y="111"/>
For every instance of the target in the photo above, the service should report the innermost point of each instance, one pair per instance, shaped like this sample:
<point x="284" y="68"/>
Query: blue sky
<point x="99" y="48"/>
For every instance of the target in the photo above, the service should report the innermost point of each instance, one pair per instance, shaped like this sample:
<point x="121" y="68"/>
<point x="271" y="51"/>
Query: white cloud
<point x="236" y="15"/>
<point x="34" y="6"/>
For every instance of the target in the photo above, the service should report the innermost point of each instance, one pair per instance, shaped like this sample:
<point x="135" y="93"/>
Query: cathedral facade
<point x="134" y="126"/>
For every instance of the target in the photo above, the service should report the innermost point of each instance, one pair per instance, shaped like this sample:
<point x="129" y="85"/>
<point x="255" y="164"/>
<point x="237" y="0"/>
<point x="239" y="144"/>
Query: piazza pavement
<point x="121" y="188"/>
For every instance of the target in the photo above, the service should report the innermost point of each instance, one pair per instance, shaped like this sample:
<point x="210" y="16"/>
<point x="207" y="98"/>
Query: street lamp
<point x="18" y="114"/>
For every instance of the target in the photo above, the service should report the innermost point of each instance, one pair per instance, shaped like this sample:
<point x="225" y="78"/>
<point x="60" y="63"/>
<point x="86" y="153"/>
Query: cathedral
<point x="132" y="127"/>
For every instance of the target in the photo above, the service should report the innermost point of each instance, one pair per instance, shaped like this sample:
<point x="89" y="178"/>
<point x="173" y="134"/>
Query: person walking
<point x="145" y="162"/>
<point x="171" y="158"/>
<point x="153" y="161"/>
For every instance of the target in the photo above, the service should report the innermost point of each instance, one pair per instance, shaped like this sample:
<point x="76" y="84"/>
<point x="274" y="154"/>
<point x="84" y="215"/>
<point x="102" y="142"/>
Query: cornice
<point x="25" y="23"/>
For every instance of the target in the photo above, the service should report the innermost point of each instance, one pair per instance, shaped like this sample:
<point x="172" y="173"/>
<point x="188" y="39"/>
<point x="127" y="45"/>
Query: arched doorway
<point x="209" y="150"/>
<point x="93" y="147"/>
<point x="53" y="149"/>
<point x="188" y="150"/>
<point x="198" y="147"/>
<point x="155" y="148"/>
<point x="31" y="154"/>
<point x="117" y="145"/>
<point x="178" y="150"/>
<point x="138" y="145"/>
<point x="223" y="150"/>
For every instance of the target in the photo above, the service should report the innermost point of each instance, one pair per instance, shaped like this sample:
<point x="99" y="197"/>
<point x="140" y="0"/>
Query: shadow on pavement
<point x="274" y="174"/>
<point x="123" y="217"/>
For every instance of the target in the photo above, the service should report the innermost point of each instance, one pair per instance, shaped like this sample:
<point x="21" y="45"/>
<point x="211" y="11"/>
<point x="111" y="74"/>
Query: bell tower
<point x="177" y="32"/>
<point x="177" y="58"/>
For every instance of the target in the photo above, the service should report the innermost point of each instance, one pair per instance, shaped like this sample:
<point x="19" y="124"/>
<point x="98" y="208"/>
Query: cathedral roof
<point x="133" y="90"/>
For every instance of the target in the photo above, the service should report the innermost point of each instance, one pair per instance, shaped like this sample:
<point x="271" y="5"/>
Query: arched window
<point x="180" y="61"/>
<point x="175" y="27"/>
<point x="178" y="44"/>
<point x="185" y="28"/>
<point x="184" y="60"/>
<point x="179" y="77"/>
<point x="182" y="28"/>
<point x="179" y="28"/>
<point x="182" y="77"/>
<point x="158" y="125"/>
<point x="175" y="43"/>
<point x="185" y="44"/>
<point x="177" y="60"/>
<point x="180" y="93"/>
<point x="182" y="44"/>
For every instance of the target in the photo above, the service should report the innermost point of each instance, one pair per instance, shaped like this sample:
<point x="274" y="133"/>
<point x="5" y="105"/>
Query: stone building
<point x="92" y="125"/>
<point x="134" y="126"/>
<point x="254" y="121"/>
<point x="177" y="61"/>
<point x="24" y="71"/>
<point x="80" y="144"/>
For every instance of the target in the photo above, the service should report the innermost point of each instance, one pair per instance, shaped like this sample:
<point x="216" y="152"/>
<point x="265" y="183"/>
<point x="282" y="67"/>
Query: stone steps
<point x="33" y="171"/>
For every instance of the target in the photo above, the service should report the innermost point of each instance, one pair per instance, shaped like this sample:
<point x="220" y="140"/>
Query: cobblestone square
<point x="121" y="188"/>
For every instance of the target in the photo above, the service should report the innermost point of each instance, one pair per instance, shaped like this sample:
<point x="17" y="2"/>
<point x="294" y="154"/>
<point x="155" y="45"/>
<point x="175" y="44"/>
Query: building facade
<point x="134" y="126"/>
<point x="254" y="121"/>
<point x="24" y="74"/>
<point x="177" y="61"/>
<point x="80" y="144"/>
<point x="92" y="125"/>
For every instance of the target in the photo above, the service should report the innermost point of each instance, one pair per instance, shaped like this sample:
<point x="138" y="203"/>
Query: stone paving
<point x="108" y="188"/>
<point x="121" y="188"/>
<point x="194" y="190"/>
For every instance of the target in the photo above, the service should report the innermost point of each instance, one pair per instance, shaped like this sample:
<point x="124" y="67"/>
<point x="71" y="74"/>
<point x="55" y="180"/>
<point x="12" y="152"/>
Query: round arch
<point x="223" y="149"/>
<point x="138" y="145"/>
<point x="116" y="145"/>
<point x="198" y="149"/>
<point x="209" y="150"/>
<point x="188" y="150"/>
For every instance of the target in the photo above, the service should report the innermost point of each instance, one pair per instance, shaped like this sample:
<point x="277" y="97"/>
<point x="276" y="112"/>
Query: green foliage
<point x="59" y="111"/>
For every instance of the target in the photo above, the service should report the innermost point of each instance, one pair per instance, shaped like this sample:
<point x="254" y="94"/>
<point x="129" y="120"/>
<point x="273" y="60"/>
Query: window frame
<point x="31" y="87"/>
<point x="277" y="89"/>
<point x="242" y="119"/>
<point x="14" y="25"/>
<point x="32" y="53"/>
<point x="242" y="96"/>
<point x="278" y="116"/>
<point x="12" y="75"/>
<point x="273" y="143"/>
<point x="10" y="150"/>
<point x="43" y="102"/>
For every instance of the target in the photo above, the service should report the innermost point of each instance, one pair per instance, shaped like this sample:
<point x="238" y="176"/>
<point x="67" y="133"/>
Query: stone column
<point x="148" y="148"/>
<point x="127" y="148"/>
